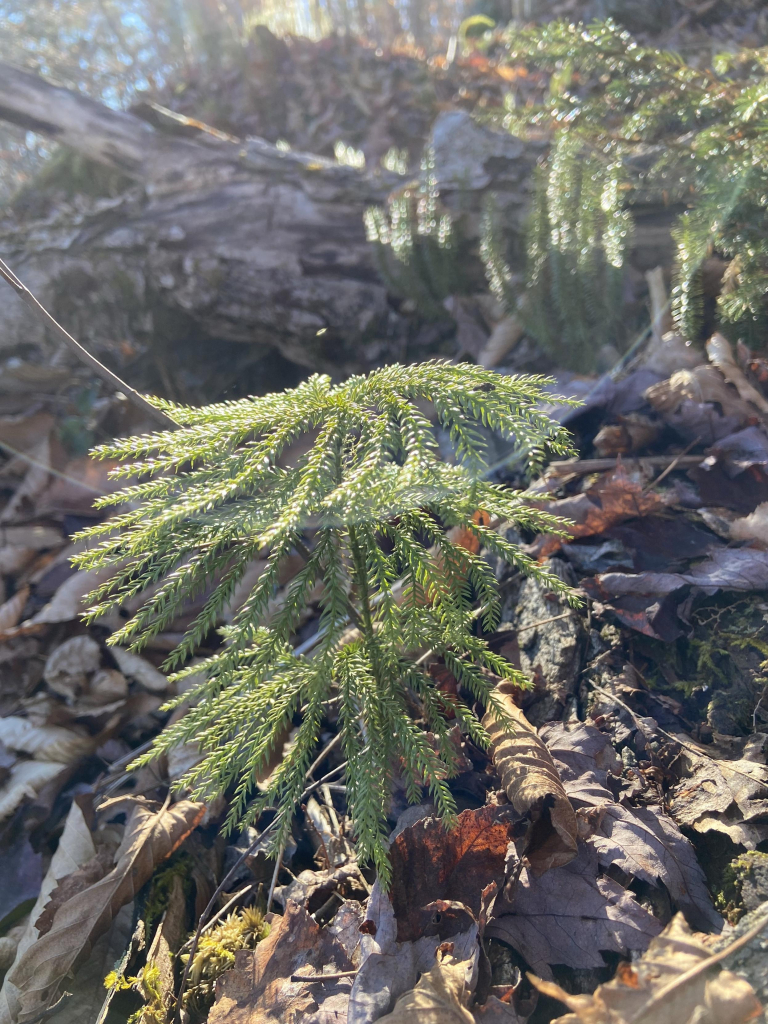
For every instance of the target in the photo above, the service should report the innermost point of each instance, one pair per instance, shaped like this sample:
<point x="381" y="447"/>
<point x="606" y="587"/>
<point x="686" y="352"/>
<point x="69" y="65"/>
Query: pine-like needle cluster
<point x="350" y="476"/>
<point x="631" y="123"/>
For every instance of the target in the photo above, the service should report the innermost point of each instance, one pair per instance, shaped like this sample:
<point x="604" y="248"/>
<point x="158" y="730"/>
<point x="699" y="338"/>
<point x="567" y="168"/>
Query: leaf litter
<point x="576" y="848"/>
<point x="597" y="835"/>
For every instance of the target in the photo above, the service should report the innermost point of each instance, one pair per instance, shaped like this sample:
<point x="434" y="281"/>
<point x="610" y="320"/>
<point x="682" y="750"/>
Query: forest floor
<point x="650" y="704"/>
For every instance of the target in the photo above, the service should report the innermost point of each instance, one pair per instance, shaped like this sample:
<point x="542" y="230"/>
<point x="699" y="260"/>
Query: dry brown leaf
<point x="260" y="990"/>
<point x="75" y="849"/>
<point x="494" y="1011"/>
<point x="668" y="985"/>
<point x="701" y="384"/>
<point x="533" y="785"/>
<point x="614" y="498"/>
<point x="69" y="600"/>
<point x="439" y="998"/>
<point x="722" y="796"/>
<point x="23" y="433"/>
<point x="69" y="665"/>
<point x="571" y="916"/>
<point x="13" y="559"/>
<point x="431" y="864"/>
<point x="631" y="434"/>
<point x="34" y="483"/>
<point x="151" y="835"/>
<point x="721" y="355"/>
<point x="642" y="841"/>
<point x="91" y="872"/>
<point x="142" y="671"/>
<point x="11" y="610"/>
<point x="44" y="743"/>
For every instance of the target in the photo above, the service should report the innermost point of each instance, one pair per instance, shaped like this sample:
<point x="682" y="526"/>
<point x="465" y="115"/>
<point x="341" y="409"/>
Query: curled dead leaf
<point x="752" y="528"/>
<point x="668" y="985"/>
<point x="632" y="433"/>
<point x="533" y="785"/>
<point x="151" y="835"/>
<point x="43" y="742"/>
<point x="721" y="355"/>
<point x="703" y="384"/>
<point x="439" y="998"/>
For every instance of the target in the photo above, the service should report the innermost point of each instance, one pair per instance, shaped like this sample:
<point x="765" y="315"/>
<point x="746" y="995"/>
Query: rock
<point x="552" y="641"/>
<point x="751" y="962"/>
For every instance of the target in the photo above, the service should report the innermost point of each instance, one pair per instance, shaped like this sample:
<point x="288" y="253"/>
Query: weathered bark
<point x="110" y="137"/>
<point x="240" y="241"/>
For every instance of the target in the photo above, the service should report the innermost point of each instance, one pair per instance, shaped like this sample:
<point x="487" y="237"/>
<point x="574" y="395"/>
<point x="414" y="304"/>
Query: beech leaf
<point x="150" y="836"/>
<point x="533" y="786"/>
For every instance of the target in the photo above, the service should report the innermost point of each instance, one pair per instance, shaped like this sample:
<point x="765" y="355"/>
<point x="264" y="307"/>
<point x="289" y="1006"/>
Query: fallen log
<point x="221" y="239"/>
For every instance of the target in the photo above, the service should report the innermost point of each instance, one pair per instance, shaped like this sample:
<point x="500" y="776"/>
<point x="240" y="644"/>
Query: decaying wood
<point x="222" y="240"/>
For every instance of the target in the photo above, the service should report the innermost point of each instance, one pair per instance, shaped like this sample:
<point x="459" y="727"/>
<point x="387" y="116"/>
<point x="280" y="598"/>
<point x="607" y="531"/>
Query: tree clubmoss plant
<point x="628" y="123"/>
<point x="368" y="504"/>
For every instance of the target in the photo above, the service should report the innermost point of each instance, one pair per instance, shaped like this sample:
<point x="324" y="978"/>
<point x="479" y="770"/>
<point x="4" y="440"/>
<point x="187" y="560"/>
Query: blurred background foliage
<point x="115" y="50"/>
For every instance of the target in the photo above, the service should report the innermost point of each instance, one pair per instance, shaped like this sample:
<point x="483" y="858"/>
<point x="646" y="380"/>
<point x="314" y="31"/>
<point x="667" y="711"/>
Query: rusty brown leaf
<point x="533" y="785"/>
<point x="431" y="864"/>
<point x="614" y="498"/>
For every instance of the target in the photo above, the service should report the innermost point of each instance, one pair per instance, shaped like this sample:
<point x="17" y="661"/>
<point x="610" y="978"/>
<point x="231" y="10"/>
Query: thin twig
<point x="323" y="754"/>
<point x="580" y="467"/>
<point x="672" y="466"/>
<point x="315" y="978"/>
<point x="82" y="354"/>
<point x="700" y="968"/>
<point x="220" y="913"/>
<point x="275" y="873"/>
<point x="545" y="622"/>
